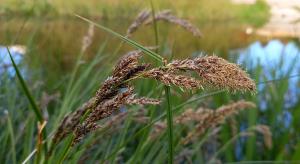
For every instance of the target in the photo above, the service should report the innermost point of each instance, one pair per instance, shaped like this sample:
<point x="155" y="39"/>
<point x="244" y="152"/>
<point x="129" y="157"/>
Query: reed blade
<point x="26" y="90"/>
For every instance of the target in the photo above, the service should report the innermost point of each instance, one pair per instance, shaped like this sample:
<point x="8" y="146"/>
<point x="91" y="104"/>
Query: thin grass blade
<point x="26" y="90"/>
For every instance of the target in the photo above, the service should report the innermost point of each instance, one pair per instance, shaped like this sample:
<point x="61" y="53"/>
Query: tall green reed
<point x="35" y="109"/>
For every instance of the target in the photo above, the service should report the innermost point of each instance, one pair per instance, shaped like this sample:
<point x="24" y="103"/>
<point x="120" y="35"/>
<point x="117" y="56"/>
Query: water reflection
<point x="274" y="56"/>
<point x="277" y="60"/>
<point x="5" y="62"/>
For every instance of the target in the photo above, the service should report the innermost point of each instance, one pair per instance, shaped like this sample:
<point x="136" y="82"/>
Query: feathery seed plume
<point x="218" y="117"/>
<point x="166" y="15"/>
<point x="217" y="72"/>
<point x="88" y="38"/>
<point x="70" y="121"/>
<point x="142" y="101"/>
<point x="102" y="111"/>
<point x="139" y="20"/>
<point x="168" y="78"/>
<point x="267" y="134"/>
<point x="144" y="18"/>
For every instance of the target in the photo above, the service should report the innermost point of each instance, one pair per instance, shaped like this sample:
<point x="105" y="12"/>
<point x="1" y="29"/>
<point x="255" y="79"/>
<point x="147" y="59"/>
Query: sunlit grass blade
<point x="26" y="90"/>
<point x="32" y="102"/>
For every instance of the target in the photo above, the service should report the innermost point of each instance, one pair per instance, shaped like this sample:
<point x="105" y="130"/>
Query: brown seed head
<point x="193" y="116"/>
<point x="70" y="121"/>
<point x="169" y="77"/>
<point x="126" y="68"/>
<point x="217" y="117"/>
<point x="87" y="39"/>
<point x="234" y="108"/>
<point x="139" y="20"/>
<point x="267" y="134"/>
<point x="217" y="72"/>
<point x="103" y="110"/>
<point x="166" y="15"/>
<point x="128" y="61"/>
<point x="142" y="101"/>
<point x="220" y="73"/>
<point x="144" y="18"/>
<point x="106" y="108"/>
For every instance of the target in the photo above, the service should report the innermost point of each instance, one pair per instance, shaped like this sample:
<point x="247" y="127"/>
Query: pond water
<point x="277" y="59"/>
<point x="5" y="63"/>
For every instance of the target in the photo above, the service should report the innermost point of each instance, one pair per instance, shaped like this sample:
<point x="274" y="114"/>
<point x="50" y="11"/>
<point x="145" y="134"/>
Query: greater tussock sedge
<point x="117" y="90"/>
<point x="102" y="111"/>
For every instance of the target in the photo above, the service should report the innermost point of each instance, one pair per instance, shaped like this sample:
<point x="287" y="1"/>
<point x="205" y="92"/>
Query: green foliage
<point x="38" y="8"/>
<point x="202" y="10"/>
<point x="246" y="13"/>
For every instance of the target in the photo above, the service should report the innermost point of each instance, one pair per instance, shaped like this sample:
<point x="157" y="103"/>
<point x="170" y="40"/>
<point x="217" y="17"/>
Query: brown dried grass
<point x="214" y="118"/>
<point x="145" y="18"/>
<point x="216" y="72"/>
<point x="204" y="119"/>
<point x="169" y="77"/>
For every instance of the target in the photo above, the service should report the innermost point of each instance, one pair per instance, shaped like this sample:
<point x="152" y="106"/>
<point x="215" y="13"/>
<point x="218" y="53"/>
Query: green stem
<point x="35" y="108"/>
<point x="167" y="90"/>
<point x="170" y="125"/>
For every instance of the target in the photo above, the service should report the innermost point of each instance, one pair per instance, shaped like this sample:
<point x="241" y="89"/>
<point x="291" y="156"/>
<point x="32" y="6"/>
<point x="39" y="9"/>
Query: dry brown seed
<point x="170" y="78"/>
<point x="142" y="101"/>
<point x="128" y="61"/>
<point x="88" y="38"/>
<point x="190" y="115"/>
<point x="125" y="69"/>
<point x="103" y="110"/>
<point x="166" y="15"/>
<point x="144" y="17"/>
<point x="267" y="134"/>
<point x="139" y="20"/>
<point x="70" y="121"/>
<point x="218" y="117"/>
<point x="217" y="72"/>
